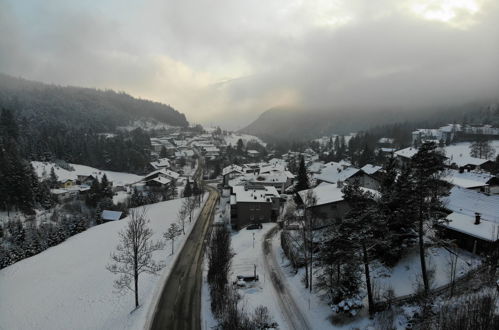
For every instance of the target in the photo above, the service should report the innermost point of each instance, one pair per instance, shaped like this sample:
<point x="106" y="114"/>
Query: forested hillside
<point x="67" y="123"/>
<point x="80" y="107"/>
<point x="285" y="125"/>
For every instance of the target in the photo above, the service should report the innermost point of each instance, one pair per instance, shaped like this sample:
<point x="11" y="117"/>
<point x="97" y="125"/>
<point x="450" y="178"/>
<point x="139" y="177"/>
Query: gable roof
<point x="407" y="152"/>
<point x="231" y="169"/>
<point x="333" y="172"/>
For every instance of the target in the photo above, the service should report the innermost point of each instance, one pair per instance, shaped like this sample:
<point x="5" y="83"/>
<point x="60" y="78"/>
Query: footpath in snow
<point x="68" y="286"/>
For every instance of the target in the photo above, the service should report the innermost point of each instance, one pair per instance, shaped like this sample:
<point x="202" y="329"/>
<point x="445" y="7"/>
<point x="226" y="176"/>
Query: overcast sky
<point x="226" y="61"/>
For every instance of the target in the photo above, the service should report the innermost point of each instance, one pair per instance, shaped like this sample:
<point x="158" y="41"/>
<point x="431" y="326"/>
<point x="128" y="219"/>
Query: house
<point x="471" y="232"/>
<point x="253" y="153"/>
<point x="161" y="163"/>
<point x="371" y="177"/>
<point x="253" y="204"/>
<point x="64" y="195"/>
<point x="386" y="142"/>
<point x="280" y="180"/>
<point x="326" y="203"/>
<point x="165" y="173"/>
<point x="230" y="172"/>
<point x="404" y="156"/>
<point x="67" y="183"/>
<point x="479" y="181"/>
<point x="469" y="202"/>
<point x="108" y="216"/>
<point x="333" y="172"/>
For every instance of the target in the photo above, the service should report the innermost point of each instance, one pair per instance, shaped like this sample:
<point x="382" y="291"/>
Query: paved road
<point x="294" y="316"/>
<point x="179" y="306"/>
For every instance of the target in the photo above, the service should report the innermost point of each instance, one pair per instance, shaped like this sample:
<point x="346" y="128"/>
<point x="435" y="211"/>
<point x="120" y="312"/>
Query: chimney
<point x="339" y="184"/>
<point x="477" y="218"/>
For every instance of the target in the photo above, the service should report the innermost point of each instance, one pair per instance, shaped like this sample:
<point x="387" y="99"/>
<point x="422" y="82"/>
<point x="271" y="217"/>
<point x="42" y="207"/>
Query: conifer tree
<point x="426" y="168"/>
<point x="188" y="189"/>
<point x="302" y="177"/>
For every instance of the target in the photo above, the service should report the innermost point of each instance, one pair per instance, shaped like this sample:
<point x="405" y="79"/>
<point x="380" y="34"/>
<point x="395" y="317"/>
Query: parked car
<point x="254" y="226"/>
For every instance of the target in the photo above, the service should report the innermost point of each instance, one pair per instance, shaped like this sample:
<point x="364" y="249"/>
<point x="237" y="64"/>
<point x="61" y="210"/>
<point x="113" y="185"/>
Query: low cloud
<point x="227" y="61"/>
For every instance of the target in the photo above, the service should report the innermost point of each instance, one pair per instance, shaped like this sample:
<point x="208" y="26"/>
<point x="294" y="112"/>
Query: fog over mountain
<point x="225" y="62"/>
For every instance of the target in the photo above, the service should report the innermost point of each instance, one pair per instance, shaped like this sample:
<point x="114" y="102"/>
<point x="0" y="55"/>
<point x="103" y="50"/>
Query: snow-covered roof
<point x="231" y="169"/>
<point x="165" y="172"/>
<point x="315" y="167"/>
<point x="385" y="140"/>
<point x="333" y="172"/>
<point x="326" y="193"/>
<point x="277" y="161"/>
<point x="273" y="177"/>
<point x="407" y="152"/>
<point x="111" y="215"/>
<point x="249" y="194"/>
<point x="467" y="179"/>
<point x="253" y="152"/>
<point x="469" y="202"/>
<point x="161" y="180"/>
<point x="388" y="149"/>
<point x="485" y="230"/>
<point x="163" y="162"/>
<point x="371" y="169"/>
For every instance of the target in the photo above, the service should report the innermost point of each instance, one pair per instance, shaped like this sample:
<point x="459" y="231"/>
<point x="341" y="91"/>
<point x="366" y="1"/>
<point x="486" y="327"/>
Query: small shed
<point x="111" y="215"/>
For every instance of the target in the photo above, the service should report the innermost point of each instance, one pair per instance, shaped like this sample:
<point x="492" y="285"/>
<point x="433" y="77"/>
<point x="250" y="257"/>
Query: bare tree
<point x="182" y="214"/>
<point x="189" y="204"/>
<point x="133" y="254"/>
<point x="481" y="148"/>
<point x="172" y="233"/>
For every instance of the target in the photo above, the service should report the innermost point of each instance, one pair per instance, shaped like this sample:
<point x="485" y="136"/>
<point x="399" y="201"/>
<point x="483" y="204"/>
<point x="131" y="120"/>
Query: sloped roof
<point x="111" y="215"/>
<point x="485" y="230"/>
<point x="334" y="172"/>
<point x="468" y="202"/>
<point x="407" y="152"/>
<point x="370" y="169"/>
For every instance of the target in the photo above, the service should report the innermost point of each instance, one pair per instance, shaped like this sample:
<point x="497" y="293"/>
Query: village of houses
<point x="255" y="195"/>
<point x="258" y="191"/>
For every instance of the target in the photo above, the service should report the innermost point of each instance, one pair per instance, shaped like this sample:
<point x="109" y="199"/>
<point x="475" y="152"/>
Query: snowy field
<point x="68" y="287"/>
<point x="461" y="151"/>
<point x="118" y="178"/>
<point x="234" y="137"/>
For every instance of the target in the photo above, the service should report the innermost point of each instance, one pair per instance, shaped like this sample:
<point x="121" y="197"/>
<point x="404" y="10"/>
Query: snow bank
<point x="68" y="287"/>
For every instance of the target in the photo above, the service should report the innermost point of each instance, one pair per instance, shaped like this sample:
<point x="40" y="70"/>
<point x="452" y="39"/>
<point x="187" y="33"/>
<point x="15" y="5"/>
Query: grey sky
<point x="226" y="61"/>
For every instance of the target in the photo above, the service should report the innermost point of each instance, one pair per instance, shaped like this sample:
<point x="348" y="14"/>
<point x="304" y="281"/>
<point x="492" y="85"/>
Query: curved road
<point x="179" y="306"/>
<point x="295" y="318"/>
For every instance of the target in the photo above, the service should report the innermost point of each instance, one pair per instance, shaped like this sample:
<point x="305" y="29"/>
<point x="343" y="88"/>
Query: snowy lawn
<point x="246" y="256"/>
<point x="118" y="178"/>
<point x="402" y="277"/>
<point x="68" y="287"/>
